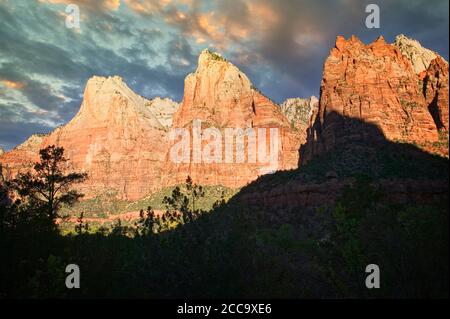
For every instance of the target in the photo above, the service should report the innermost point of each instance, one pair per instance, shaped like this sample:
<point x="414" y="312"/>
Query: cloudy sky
<point x="280" y="44"/>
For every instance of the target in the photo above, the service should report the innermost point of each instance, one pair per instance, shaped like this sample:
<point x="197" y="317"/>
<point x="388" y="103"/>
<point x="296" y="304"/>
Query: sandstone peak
<point x="377" y="84"/>
<point x="110" y="100"/>
<point x="207" y="56"/>
<point x="342" y="43"/>
<point x="119" y="137"/>
<point x="219" y="95"/>
<point x="355" y="39"/>
<point x="222" y="95"/>
<point x="354" y="47"/>
<point x="211" y="64"/>
<point x="22" y="156"/>
<point x="419" y="56"/>
<point x="380" y="40"/>
<point x="109" y="85"/>
<point x="217" y="92"/>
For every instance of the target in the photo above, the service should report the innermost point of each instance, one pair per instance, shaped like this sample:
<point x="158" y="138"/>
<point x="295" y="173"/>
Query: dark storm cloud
<point x="281" y="45"/>
<point x="181" y="55"/>
<point x="299" y="39"/>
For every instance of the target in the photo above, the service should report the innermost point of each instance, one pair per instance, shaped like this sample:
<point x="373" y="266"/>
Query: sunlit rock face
<point x="419" y="56"/>
<point x="163" y="109"/>
<point x="221" y="96"/>
<point x="118" y="137"/>
<point x="433" y="71"/>
<point x="125" y="142"/>
<point x="375" y="84"/>
<point x="122" y="140"/>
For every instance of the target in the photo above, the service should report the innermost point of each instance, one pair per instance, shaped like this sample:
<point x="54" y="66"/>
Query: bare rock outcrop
<point x="123" y="141"/>
<point x="115" y="137"/>
<point x="300" y="111"/>
<point x="435" y="89"/>
<point x="374" y="84"/>
<point x="222" y="97"/>
<point x="220" y="94"/>
<point x="419" y="56"/>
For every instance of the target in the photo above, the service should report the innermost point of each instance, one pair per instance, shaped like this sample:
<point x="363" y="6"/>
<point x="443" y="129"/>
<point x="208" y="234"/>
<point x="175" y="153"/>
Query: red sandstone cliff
<point x="221" y="96"/>
<point x="115" y="137"/>
<point x="369" y="94"/>
<point x="122" y="140"/>
<point x="435" y="89"/>
<point x="377" y="84"/>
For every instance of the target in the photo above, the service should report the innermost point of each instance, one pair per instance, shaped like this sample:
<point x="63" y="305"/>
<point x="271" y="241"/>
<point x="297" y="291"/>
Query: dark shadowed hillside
<point x="297" y="234"/>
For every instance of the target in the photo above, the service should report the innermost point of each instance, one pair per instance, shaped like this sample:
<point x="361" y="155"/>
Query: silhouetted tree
<point x="48" y="187"/>
<point x="81" y="226"/>
<point x="184" y="204"/>
<point x="146" y="223"/>
<point x="177" y="202"/>
<point x="194" y="191"/>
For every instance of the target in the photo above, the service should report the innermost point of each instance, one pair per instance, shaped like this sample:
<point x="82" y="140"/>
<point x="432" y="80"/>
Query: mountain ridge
<point x="121" y="138"/>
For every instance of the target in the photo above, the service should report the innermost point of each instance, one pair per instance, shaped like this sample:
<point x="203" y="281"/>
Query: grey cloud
<point x="303" y="63"/>
<point x="16" y="125"/>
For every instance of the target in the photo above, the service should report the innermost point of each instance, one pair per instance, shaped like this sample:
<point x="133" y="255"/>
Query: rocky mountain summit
<point x="22" y="156"/>
<point x="123" y="141"/>
<point x="419" y="56"/>
<point x="117" y="136"/>
<point x="221" y="96"/>
<point x="376" y="118"/>
<point x="109" y="101"/>
<point x="375" y="84"/>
